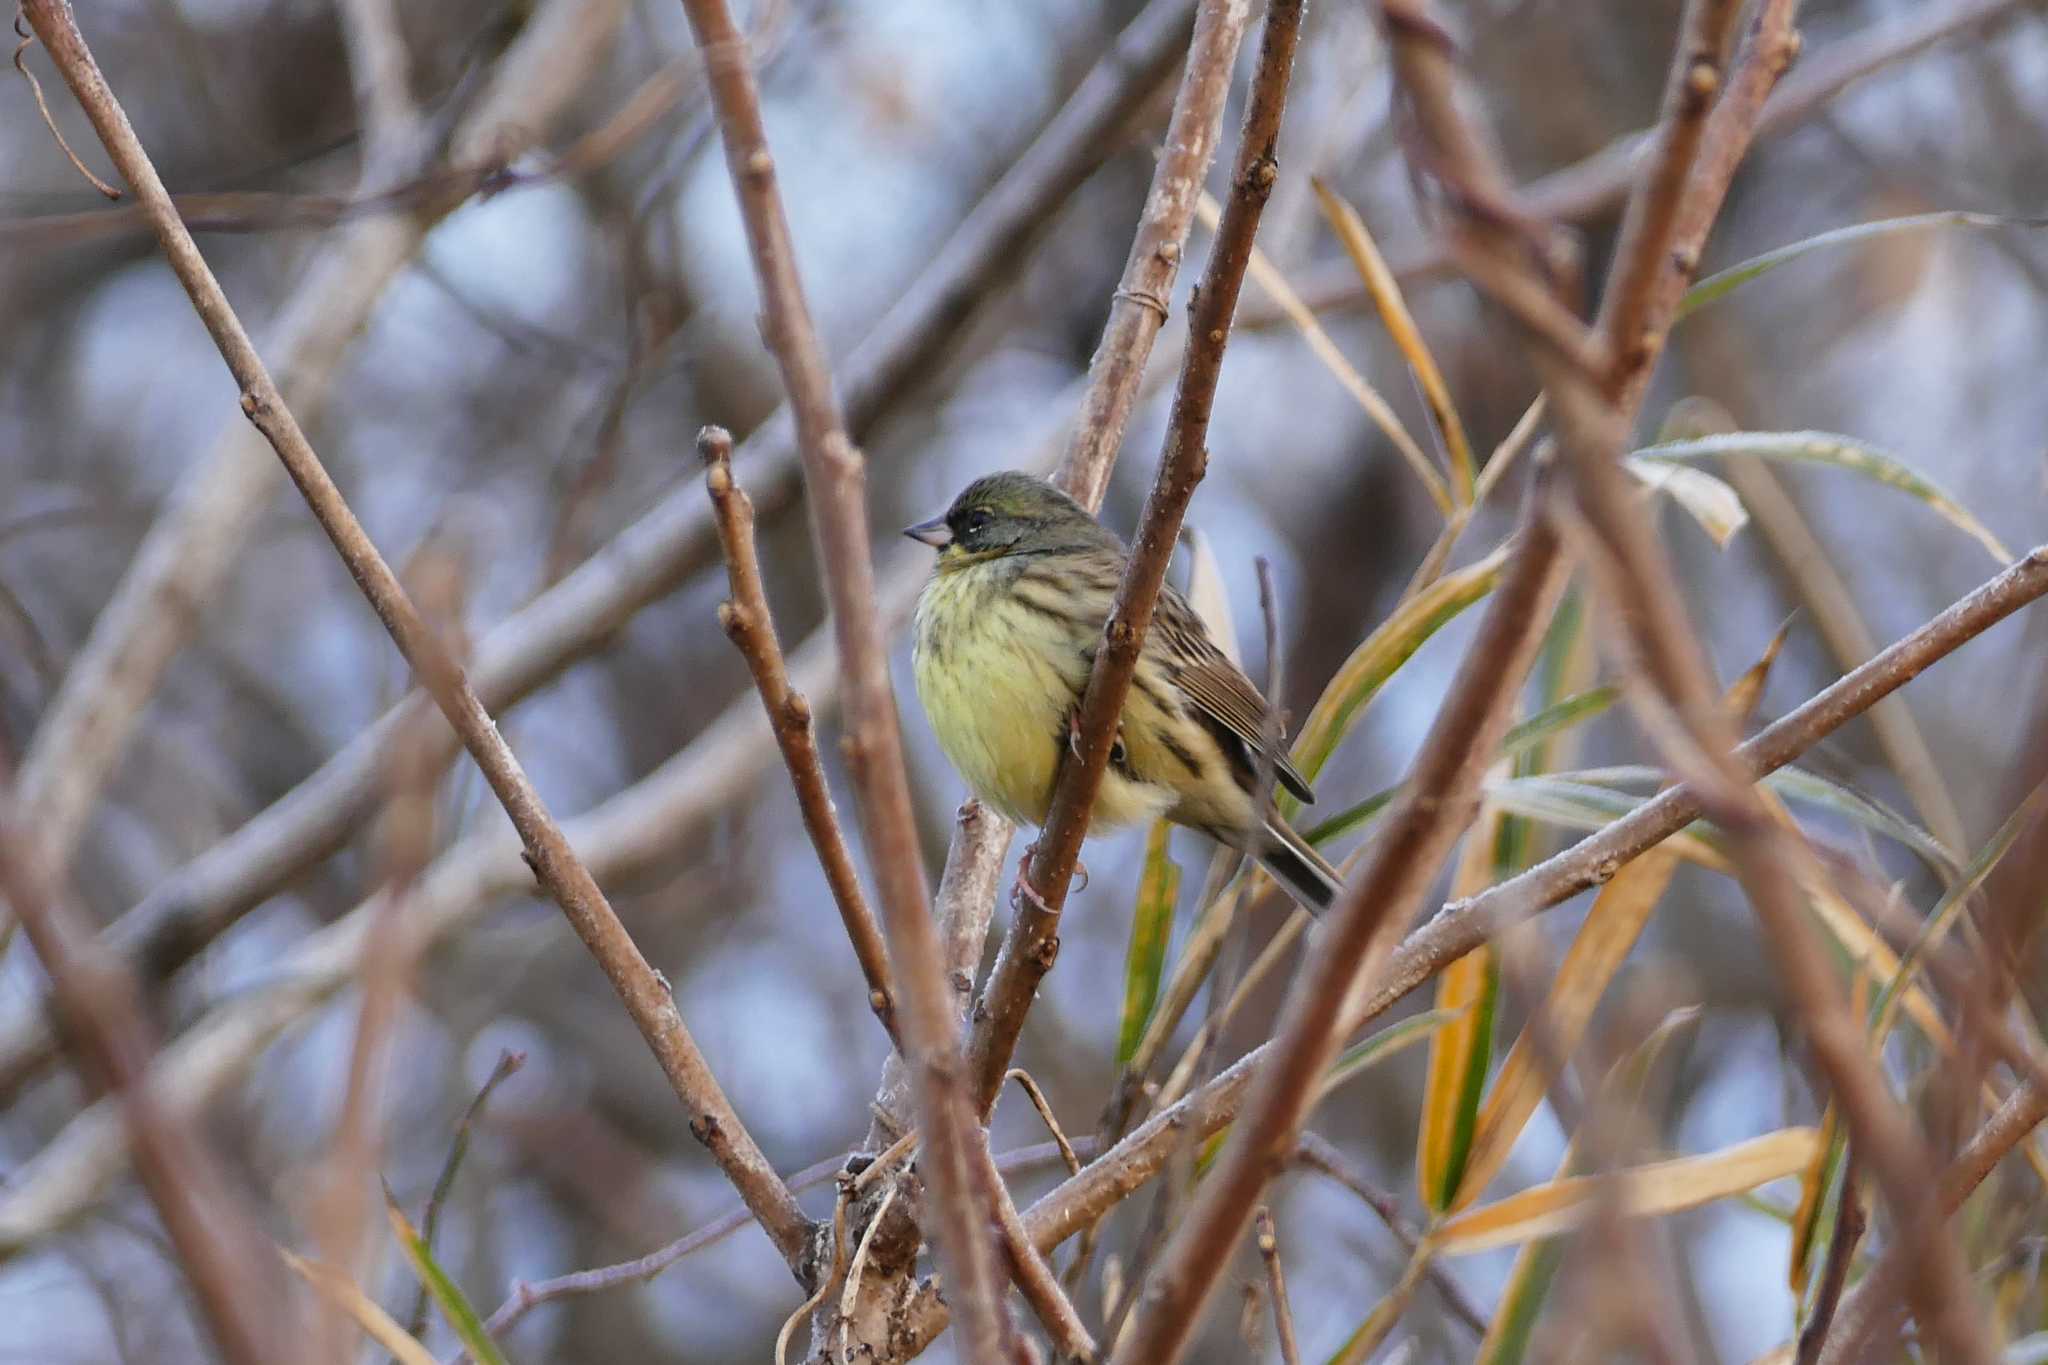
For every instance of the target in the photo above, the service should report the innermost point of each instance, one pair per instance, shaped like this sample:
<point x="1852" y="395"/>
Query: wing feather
<point x="1219" y="690"/>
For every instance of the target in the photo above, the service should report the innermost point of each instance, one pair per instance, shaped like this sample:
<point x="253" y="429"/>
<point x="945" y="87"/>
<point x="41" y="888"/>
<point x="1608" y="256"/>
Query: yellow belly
<point x="999" y="686"/>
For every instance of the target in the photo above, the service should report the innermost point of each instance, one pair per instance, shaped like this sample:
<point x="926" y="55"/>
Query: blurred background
<point x="519" y="378"/>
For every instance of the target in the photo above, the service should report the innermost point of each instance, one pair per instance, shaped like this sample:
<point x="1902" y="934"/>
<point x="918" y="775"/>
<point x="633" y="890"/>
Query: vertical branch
<point x="747" y="621"/>
<point x="1033" y="939"/>
<point x="642" y="990"/>
<point x="1139" y="308"/>
<point x="232" y="1275"/>
<point x="1593" y="415"/>
<point x="1442" y="794"/>
<point x="835" y="476"/>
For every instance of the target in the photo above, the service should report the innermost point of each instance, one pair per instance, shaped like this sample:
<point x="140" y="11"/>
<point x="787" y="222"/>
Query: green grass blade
<point x="1145" y="962"/>
<point x="1724" y="282"/>
<point x="454" y="1306"/>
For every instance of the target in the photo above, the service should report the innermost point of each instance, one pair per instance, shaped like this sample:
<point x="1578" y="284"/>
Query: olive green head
<point x="1010" y="514"/>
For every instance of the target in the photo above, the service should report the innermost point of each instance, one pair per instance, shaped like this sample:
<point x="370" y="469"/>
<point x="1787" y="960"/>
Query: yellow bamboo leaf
<point x="1400" y="324"/>
<point x="344" y="1293"/>
<point x="1458" y="1054"/>
<point x="1268" y="277"/>
<point x="1603" y="942"/>
<point x="1659" y="1188"/>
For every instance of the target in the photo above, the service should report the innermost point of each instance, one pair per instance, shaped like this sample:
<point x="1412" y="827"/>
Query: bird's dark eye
<point x="974" y="522"/>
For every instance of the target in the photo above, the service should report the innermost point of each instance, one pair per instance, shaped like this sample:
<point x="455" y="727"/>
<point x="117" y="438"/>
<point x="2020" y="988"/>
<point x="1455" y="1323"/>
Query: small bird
<point x="1006" y="634"/>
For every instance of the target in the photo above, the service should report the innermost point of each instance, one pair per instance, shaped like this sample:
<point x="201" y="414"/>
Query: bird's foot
<point x="1117" y="752"/>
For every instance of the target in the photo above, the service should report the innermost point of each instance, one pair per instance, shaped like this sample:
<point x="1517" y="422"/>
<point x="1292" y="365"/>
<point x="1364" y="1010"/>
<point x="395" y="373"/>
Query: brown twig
<point x="342" y="1183"/>
<point x="1592" y="428"/>
<point x="747" y="621"/>
<point x="508" y="1065"/>
<point x="1879" y="1300"/>
<point x="583" y="613"/>
<point x="1589" y="187"/>
<point x="35" y="88"/>
<point x="642" y="990"/>
<point x="1317" y="1154"/>
<point x="1442" y="794"/>
<point x="1276" y="1286"/>
<point x="835" y="477"/>
<point x="1033" y="938"/>
<point x="1138" y="309"/>
<point x="232" y="1274"/>
<point x="1463" y="925"/>
<point x="191" y="546"/>
<point x="1033" y="1276"/>
<point x="1841" y="1256"/>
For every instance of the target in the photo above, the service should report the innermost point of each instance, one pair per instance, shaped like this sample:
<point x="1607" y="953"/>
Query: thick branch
<point x="219" y="1249"/>
<point x="642" y="990"/>
<point x="1358" y="932"/>
<point x="1033" y="939"/>
<point x="835" y="477"/>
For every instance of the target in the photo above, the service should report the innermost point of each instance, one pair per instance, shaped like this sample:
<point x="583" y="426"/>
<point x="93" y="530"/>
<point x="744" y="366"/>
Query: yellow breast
<point x="999" y="683"/>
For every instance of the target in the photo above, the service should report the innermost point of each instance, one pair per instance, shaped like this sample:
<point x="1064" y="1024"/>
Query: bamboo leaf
<point x="1352" y="817"/>
<point x="1708" y="500"/>
<point x="1392" y="1039"/>
<point x="1839" y="452"/>
<point x="1724" y="282"/>
<point x="1573" y="802"/>
<point x="1521" y="1303"/>
<point x="1603" y="942"/>
<point x="1268" y="277"/>
<point x="1950" y="906"/>
<point x="1459" y="1053"/>
<point x="1400" y="324"/>
<point x="346" y="1295"/>
<point x="469" y="1328"/>
<point x="1145" y="961"/>
<point x="1209" y="594"/>
<point x="1380" y="655"/>
<point x="1746" y="691"/>
<point x="1659" y="1188"/>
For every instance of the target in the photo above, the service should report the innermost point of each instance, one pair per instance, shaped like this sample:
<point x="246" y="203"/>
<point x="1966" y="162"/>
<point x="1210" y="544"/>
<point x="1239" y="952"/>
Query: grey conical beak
<point x="934" y="533"/>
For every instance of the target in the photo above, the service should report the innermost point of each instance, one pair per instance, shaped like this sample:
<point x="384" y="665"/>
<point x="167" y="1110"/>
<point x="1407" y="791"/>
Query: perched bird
<point x="1006" y="635"/>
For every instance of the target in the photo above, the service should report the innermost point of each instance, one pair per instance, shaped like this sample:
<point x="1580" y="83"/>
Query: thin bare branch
<point x="233" y="1276"/>
<point x="1033" y="1276"/>
<point x="1033" y="938"/>
<point x="642" y="990"/>
<point x="584" y="612"/>
<point x="835" y="477"/>
<point x="748" y="622"/>
<point x="1276" y="1287"/>
<point x="508" y="1065"/>
<point x="1441" y="796"/>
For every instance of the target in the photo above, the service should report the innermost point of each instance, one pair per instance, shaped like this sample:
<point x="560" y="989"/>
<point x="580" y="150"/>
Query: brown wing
<point x="1219" y="689"/>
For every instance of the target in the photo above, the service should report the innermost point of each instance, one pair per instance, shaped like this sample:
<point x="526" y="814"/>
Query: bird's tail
<point x="1305" y="873"/>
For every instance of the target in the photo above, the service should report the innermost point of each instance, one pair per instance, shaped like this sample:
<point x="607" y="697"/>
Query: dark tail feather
<point x="1305" y="873"/>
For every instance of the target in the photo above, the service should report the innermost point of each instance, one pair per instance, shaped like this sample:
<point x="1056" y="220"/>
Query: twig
<point x="1138" y="309"/>
<point x="1033" y="938"/>
<point x="747" y="620"/>
<point x="1819" y="585"/>
<point x="1590" y="187"/>
<point x="190" y="548"/>
<point x="585" y="611"/>
<point x="1276" y="1285"/>
<point x="1051" y="1120"/>
<point x="232" y="1275"/>
<point x="832" y="1280"/>
<point x="835" y="478"/>
<point x="35" y="88"/>
<point x="1442" y="793"/>
<point x="1841" y="1255"/>
<point x="343" y="1181"/>
<point x="642" y="990"/>
<point x="1316" y="1153"/>
<point x="1879" y="1300"/>
<point x="1461" y="926"/>
<point x="508" y="1065"/>
<point x="1591" y="427"/>
<point x="1028" y="1268"/>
